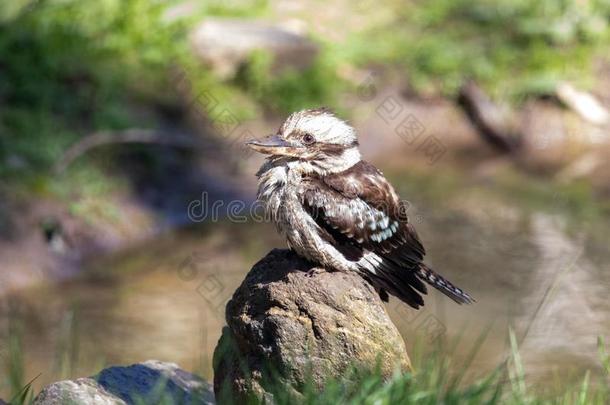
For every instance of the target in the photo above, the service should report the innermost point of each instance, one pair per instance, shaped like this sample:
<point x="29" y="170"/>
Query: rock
<point x="303" y="324"/>
<point x="585" y="104"/>
<point x="226" y="44"/>
<point x="151" y="381"/>
<point x="555" y="137"/>
<point x="81" y="391"/>
<point x="144" y="378"/>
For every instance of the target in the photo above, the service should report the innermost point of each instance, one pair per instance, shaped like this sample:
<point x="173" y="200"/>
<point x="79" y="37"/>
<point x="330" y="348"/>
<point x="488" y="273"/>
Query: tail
<point x="437" y="281"/>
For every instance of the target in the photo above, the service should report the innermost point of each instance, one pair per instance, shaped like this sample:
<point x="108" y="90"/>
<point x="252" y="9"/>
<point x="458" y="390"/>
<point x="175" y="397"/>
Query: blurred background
<point x="127" y="199"/>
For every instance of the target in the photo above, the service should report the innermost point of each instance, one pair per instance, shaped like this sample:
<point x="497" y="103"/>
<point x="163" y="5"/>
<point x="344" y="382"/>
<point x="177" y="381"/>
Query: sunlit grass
<point x="513" y="48"/>
<point x="436" y="378"/>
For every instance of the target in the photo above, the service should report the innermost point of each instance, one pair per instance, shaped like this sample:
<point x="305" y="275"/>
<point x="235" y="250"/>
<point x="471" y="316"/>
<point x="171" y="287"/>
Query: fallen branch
<point x="142" y="136"/>
<point x="494" y="124"/>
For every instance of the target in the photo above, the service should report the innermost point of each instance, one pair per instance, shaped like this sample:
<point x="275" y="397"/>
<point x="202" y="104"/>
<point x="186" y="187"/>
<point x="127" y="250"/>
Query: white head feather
<point x="322" y="124"/>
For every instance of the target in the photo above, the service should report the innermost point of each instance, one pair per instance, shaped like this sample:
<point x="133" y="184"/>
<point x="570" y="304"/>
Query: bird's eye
<point x="308" y="139"/>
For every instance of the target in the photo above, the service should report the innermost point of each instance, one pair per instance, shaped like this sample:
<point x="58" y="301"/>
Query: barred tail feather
<point x="389" y="278"/>
<point x="437" y="281"/>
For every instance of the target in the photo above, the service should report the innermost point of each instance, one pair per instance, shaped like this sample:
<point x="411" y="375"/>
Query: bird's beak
<point x="271" y="145"/>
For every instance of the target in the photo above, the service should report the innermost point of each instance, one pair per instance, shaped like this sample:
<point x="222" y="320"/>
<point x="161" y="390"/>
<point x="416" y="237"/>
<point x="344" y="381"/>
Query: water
<point x="542" y="274"/>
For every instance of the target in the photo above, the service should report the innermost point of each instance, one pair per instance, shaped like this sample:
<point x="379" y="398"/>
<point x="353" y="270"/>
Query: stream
<point x="532" y="271"/>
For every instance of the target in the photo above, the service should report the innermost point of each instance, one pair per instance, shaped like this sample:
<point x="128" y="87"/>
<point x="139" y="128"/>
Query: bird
<point x="338" y="211"/>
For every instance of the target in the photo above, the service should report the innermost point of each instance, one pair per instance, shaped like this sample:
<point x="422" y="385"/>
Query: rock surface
<point x="301" y="323"/>
<point x="226" y="44"/>
<point x="150" y="382"/>
<point x="81" y="391"/>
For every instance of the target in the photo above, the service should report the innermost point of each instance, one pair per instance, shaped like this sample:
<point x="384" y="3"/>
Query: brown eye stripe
<point x="335" y="149"/>
<point x="331" y="149"/>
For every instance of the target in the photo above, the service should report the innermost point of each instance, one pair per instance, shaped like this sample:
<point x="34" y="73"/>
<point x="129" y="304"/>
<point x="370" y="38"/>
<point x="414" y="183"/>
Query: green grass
<point x="436" y="380"/>
<point x="437" y="377"/>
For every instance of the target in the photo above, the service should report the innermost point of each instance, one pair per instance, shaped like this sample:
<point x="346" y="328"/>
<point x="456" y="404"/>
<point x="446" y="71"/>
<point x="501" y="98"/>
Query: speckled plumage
<point x="339" y="211"/>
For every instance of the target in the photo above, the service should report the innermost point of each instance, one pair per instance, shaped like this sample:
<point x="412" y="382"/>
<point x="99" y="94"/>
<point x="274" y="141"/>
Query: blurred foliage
<point x="513" y="47"/>
<point x="70" y="67"/>
<point x="291" y="90"/>
<point x="234" y="8"/>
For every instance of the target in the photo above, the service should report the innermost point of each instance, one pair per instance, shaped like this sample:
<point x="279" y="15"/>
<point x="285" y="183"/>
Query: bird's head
<point x="314" y="140"/>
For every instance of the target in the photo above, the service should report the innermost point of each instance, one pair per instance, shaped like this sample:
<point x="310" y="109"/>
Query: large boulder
<point x="226" y="44"/>
<point x="301" y="324"/>
<point x="151" y="382"/>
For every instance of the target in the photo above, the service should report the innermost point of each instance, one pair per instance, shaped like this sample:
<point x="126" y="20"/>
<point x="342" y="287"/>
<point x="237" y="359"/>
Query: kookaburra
<point x="339" y="211"/>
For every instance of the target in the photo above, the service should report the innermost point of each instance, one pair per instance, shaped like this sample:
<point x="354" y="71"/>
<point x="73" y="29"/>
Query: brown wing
<point x="359" y="212"/>
<point x="361" y="205"/>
